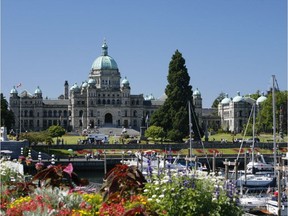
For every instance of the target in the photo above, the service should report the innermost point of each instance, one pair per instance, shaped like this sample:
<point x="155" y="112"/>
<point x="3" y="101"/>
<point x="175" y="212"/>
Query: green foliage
<point x="190" y="196"/>
<point x="155" y="132"/>
<point x="265" y="116"/>
<point x="37" y="137"/>
<point x="173" y="116"/>
<point x="56" y="131"/>
<point x="7" y="116"/>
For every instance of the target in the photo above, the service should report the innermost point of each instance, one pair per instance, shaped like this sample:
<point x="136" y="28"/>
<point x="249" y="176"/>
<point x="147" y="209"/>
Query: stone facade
<point x="105" y="100"/>
<point x="235" y="112"/>
<point x="102" y="101"/>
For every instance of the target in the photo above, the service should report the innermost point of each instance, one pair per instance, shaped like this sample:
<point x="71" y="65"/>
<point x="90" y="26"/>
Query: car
<point x="250" y="140"/>
<point x="239" y="140"/>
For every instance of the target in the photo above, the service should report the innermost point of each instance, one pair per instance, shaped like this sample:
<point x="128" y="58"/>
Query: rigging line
<point x="251" y="113"/>
<point x="241" y="145"/>
<point x="239" y="152"/>
<point x="198" y="130"/>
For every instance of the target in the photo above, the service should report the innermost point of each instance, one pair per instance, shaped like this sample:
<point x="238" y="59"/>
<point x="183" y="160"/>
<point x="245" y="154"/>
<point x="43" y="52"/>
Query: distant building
<point x="234" y="112"/>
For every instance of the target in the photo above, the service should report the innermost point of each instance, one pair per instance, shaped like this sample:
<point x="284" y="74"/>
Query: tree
<point x="155" y="132"/>
<point x="265" y="116"/>
<point x="7" y="116"/>
<point x="56" y="131"/>
<point x="173" y="115"/>
<point x="218" y="100"/>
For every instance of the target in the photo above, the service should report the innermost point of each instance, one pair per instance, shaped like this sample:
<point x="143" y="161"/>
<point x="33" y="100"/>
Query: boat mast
<point x="253" y="134"/>
<point x="274" y="122"/>
<point x="190" y="129"/>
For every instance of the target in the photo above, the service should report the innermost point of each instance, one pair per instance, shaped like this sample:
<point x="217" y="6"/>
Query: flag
<point x="69" y="169"/>
<point x="19" y="85"/>
<point x="147" y="118"/>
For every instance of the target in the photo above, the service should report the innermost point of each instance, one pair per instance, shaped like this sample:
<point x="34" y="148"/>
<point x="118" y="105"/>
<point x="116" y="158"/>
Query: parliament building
<point x="103" y="101"/>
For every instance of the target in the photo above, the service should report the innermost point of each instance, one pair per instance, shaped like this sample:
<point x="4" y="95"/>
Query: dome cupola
<point x="261" y="99"/>
<point x="84" y="85"/>
<point x="226" y="100"/>
<point x="91" y="82"/>
<point x="125" y="82"/>
<point x="13" y="90"/>
<point x="104" y="62"/>
<point x="237" y="98"/>
<point x="197" y="93"/>
<point x="38" y="90"/>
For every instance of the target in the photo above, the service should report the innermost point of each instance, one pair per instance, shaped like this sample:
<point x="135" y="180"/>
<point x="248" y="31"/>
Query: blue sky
<point x="228" y="45"/>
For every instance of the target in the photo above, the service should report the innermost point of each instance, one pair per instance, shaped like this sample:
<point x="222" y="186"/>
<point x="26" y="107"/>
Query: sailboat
<point x="254" y="180"/>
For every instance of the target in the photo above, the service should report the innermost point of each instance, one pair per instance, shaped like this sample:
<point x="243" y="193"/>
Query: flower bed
<point x="125" y="191"/>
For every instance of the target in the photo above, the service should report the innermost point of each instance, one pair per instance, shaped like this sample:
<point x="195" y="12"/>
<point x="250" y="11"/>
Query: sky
<point x="228" y="45"/>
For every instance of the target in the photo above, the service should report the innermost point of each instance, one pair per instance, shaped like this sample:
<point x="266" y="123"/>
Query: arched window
<point x="50" y="115"/>
<point x="108" y="101"/>
<point x="103" y="101"/>
<point x="135" y="113"/>
<point x="31" y="114"/>
<point x="99" y="101"/>
<point x="113" y="101"/>
<point x="55" y="113"/>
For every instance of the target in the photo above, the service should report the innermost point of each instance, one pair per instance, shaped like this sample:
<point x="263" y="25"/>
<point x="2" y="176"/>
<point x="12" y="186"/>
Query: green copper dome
<point x="237" y="98"/>
<point x="104" y="62"/>
<point x="38" y="90"/>
<point x="226" y="100"/>
<point x="13" y="90"/>
<point x="196" y="92"/>
<point x="261" y="99"/>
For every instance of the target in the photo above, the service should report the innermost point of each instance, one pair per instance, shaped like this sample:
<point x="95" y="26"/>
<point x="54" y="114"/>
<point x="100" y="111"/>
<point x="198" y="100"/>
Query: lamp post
<point x="39" y="157"/>
<point x="53" y="159"/>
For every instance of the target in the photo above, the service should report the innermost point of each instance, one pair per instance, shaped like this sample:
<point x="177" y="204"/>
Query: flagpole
<point x="20" y="117"/>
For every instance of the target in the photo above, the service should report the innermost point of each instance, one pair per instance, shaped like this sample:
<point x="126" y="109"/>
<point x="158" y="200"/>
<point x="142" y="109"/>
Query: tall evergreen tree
<point x="173" y="116"/>
<point x="7" y="116"/>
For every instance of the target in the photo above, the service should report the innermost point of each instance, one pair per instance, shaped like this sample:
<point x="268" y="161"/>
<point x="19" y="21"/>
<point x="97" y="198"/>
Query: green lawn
<point x="69" y="139"/>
